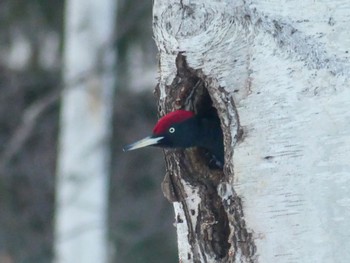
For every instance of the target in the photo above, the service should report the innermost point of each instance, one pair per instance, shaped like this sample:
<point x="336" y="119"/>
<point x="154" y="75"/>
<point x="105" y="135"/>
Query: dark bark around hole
<point x="220" y="228"/>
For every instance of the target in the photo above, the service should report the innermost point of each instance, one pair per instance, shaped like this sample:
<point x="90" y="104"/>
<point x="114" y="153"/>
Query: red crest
<point x="165" y="122"/>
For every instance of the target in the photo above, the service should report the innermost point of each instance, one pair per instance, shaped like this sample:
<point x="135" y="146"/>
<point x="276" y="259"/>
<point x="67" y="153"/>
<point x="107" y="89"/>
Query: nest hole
<point x="191" y="93"/>
<point x="202" y="104"/>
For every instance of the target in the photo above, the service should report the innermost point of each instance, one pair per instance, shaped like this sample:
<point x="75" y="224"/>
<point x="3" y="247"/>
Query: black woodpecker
<point x="184" y="129"/>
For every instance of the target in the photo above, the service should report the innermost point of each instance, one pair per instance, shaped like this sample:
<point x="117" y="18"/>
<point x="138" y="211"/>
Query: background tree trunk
<point x="84" y="152"/>
<point x="278" y="75"/>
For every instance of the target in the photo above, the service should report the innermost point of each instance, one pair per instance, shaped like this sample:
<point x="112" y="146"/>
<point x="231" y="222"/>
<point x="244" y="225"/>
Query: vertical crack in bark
<point x="216" y="226"/>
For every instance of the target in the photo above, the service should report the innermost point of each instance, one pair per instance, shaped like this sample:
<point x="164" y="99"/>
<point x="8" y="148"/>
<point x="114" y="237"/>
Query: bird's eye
<point x="172" y="130"/>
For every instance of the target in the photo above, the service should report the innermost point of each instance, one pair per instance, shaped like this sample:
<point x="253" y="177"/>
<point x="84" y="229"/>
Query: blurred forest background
<point x="140" y="219"/>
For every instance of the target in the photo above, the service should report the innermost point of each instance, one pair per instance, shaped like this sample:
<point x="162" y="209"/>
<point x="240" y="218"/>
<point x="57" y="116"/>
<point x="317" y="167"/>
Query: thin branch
<point x="30" y="119"/>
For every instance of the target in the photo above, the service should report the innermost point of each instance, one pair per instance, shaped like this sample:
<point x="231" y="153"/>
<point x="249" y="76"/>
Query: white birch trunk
<point x="280" y="72"/>
<point x="85" y="127"/>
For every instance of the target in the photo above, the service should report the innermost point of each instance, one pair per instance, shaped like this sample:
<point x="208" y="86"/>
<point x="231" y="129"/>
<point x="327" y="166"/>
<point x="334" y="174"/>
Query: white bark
<point x="285" y="65"/>
<point x="85" y="126"/>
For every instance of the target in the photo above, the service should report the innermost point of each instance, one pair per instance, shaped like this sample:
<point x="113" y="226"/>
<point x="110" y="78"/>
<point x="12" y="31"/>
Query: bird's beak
<point x="148" y="141"/>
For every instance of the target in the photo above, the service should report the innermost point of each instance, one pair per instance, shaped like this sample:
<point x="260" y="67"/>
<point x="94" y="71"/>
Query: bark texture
<point x="209" y="216"/>
<point x="279" y="82"/>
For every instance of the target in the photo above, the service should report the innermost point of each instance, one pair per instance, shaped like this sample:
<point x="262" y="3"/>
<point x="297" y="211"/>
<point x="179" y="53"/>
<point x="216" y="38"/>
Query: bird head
<point x="172" y="130"/>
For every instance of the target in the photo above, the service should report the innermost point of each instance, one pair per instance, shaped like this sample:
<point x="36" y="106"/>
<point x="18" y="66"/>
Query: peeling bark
<point x="214" y="219"/>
